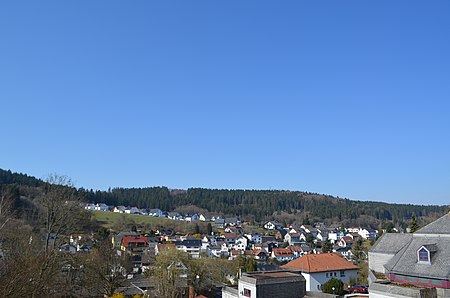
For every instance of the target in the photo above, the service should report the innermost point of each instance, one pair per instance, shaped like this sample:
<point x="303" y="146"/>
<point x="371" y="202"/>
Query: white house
<point x="191" y="217"/>
<point x="320" y="268"/>
<point x="271" y="225"/>
<point x="368" y="233"/>
<point x="132" y="210"/>
<point x="89" y="206"/>
<point x="101" y="207"/>
<point x="335" y="236"/>
<point x="119" y="209"/>
<point x="156" y="213"/>
<point x="241" y="243"/>
<point x="254" y="237"/>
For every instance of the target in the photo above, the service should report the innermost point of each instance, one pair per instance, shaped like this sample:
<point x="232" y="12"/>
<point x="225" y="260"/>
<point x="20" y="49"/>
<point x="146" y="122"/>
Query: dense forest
<point x="254" y="205"/>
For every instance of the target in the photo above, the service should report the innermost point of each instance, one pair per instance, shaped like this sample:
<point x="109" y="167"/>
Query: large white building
<point x="320" y="268"/>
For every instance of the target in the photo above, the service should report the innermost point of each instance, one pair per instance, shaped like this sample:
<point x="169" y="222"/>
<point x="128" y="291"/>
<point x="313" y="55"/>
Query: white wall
<point x="251" y="287"/>
<point x="314" y="281"/>
<point x="378" y="260"/>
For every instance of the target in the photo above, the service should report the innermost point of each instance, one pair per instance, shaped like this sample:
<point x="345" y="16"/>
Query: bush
<point x="337" y="284"/>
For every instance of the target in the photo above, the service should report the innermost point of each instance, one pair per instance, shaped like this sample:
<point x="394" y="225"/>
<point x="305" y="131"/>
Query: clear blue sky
<point x="348" y="98"/>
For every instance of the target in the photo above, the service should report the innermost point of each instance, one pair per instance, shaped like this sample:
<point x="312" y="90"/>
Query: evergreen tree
<point x="414" y="226"/>
<point x="327" y="247"/>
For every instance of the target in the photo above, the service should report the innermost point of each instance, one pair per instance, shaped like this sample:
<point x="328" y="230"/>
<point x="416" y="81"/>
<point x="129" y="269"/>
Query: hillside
<point x="252" y="205"/>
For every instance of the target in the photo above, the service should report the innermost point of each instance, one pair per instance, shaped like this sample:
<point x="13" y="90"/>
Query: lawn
<point x="122" y="222"/>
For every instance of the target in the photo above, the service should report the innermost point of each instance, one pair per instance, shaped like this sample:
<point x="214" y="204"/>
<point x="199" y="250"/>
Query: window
<point x="247" y="292"/>
<point x="342" y="273"/>
<point x="334" y="273"/>
<point x="423" y="255"/>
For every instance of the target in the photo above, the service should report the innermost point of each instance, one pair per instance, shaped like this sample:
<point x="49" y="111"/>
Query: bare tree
<point x="6" y="211"/>
<point x="104" y="270"/>
<point x="60" y="205"/>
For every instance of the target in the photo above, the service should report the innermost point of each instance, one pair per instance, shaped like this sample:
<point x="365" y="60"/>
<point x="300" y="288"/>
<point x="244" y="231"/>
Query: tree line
<point x="253" y="205"/>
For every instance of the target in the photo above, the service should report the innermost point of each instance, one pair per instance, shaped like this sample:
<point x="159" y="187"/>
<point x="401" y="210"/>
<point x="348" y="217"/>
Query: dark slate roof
<point x="391" y="243"/>
<point x="188" y="242"/>
<point x="439" y="226"/>
<point x="405" y="261"/>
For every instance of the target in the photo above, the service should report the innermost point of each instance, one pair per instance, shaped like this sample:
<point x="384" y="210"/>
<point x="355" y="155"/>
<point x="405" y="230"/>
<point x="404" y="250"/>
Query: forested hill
<point x="255" y="205"/>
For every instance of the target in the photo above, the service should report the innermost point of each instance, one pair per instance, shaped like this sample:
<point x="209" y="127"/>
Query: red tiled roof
<point x="230" y="235"/>
<point x="294" y="248"/>
<point x="320" y="263"/>
<point x="282" y="252"/>
<point x="126" y="240"/>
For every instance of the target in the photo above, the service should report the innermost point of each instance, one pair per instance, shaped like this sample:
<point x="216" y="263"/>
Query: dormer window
<point x="423" y="255"/>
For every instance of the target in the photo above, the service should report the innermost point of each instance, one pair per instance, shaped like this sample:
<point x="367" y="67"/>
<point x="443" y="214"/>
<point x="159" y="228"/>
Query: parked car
<point x="359" y="289"/>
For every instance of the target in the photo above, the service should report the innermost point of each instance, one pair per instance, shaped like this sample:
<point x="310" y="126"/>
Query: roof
<point x="320" y="263"/>
<point x="126" y="240"/>
<point x="189" y="242"/>
<point x="282" y="252"/>
<point x="294" y="248"/>
<point x="405" y="261"/>
<point x="260" y="275"/>
<point x="439" y="226"/>
<point x="391" y="243"/>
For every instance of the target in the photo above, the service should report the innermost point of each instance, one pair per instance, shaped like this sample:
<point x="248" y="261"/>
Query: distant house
<point x="68" y="248"/>
<point x="174" y="216"/>
<point x="117" y="239"/>
<point x="101" y="207"/>
<point x="204" y="217"/>
<point x="272" y="225"/>
<point x="162" y="247"/>
<point x="232" y="221"/>
<point x="119" y="209"/>
<point x="134" y="244"/>
<point x="89" y="206"/>
<point x="292" y="238"/>
<point x="297" y="251"/>
<point x="335" y="236"/>
<point x="190" y="246"/>
<point x="368" y="233"/>
<point x="346" y="241"/>
<point x="254" y="237"/>
<point x="259" y="255"/>
<point x="282" y="254"/>
<point x="320" y="268"/>
<point x="191" y="217"/>
<point x="132" y="210"/>
<point x="241" y="243"/>
<point x="219" y="223"/>
<point x="230" y="238"/>
<point x="156" y="212"/>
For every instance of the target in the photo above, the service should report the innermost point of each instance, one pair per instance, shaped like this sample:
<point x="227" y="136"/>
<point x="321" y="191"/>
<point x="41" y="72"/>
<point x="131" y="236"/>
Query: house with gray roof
<point x="420" y="260"/>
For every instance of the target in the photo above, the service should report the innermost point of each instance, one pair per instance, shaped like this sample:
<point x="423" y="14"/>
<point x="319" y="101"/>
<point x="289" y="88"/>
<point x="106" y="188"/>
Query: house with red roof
<point x="282" y="254"/>
<point x="134" y="244"/>
<point x="317" y="269"/>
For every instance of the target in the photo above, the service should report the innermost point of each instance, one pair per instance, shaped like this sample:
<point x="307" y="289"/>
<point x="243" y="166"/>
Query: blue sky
<point x="348" y="98"/>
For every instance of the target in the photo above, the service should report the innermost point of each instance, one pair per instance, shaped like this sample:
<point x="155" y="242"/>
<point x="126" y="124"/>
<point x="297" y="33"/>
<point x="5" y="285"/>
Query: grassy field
<point x="121" y="221"/>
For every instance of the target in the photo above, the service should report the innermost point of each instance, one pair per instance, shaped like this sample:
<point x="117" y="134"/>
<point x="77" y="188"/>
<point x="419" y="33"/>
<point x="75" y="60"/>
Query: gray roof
<point x="391" y="243"/>
<point x="439" y="226"/>
<point x="405" y="261"/>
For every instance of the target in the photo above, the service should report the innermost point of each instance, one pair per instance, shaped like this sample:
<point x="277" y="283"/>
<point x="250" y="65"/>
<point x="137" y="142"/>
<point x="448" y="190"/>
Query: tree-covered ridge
<point x="8" y="177"/>
<point x="256" y="205"/>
